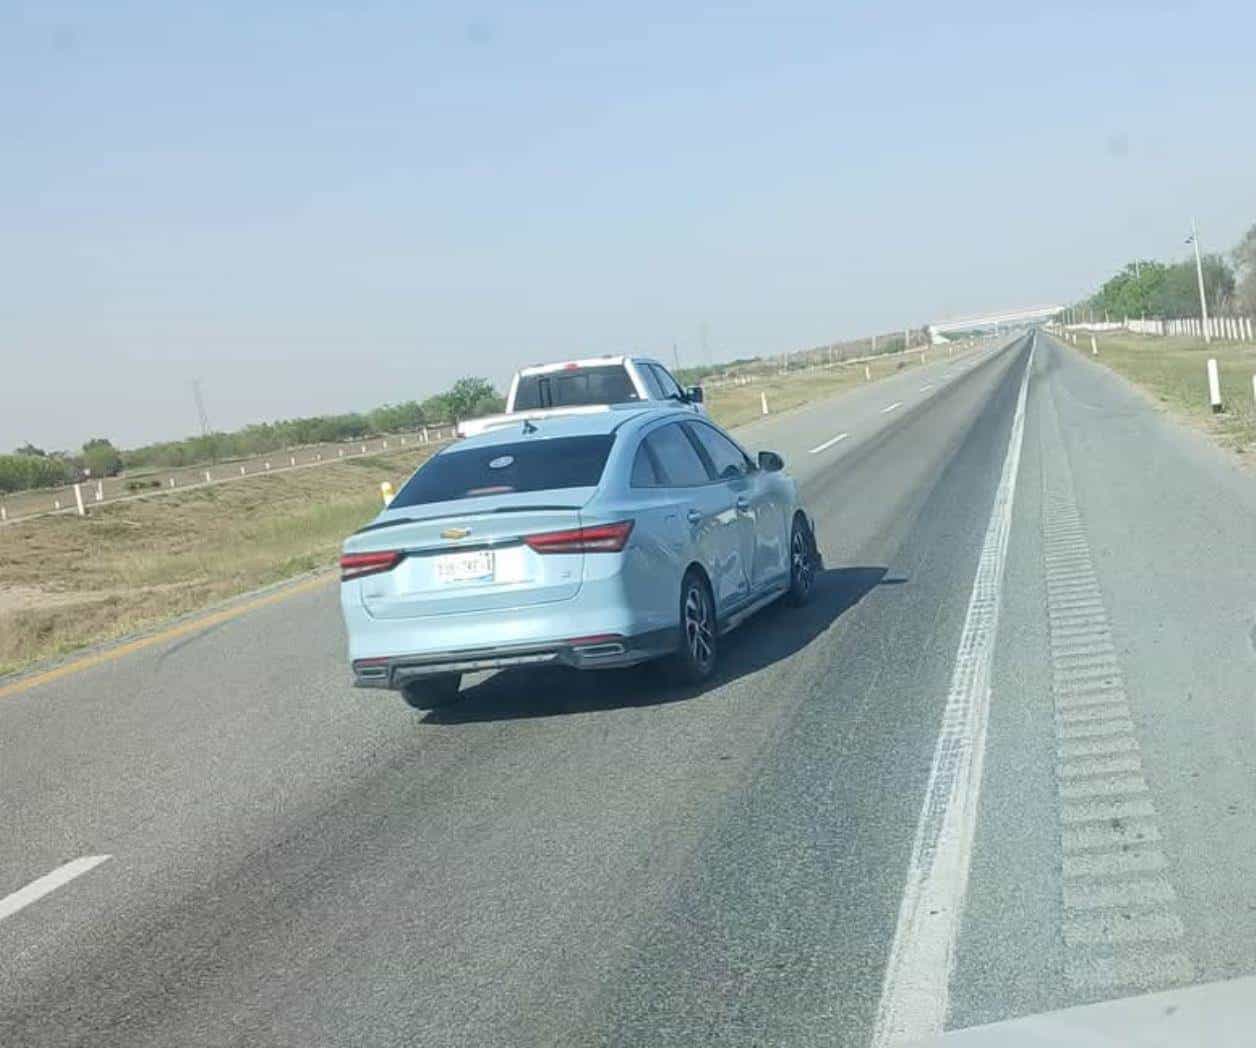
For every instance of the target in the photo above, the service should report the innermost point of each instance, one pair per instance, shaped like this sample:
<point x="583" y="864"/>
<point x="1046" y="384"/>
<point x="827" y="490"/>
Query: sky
<point x="319" y="207"/>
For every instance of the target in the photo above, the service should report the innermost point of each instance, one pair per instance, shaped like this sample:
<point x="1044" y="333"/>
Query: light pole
<point x="1199" y="274"/>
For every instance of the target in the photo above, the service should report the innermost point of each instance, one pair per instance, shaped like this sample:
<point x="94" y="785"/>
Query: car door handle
<point x="694" y="516"/>
<point x="743" y="504"/>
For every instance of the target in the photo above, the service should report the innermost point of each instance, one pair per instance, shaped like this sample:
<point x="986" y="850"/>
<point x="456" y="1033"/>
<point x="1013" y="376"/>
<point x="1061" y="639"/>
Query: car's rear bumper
<point x="585" y="653"/>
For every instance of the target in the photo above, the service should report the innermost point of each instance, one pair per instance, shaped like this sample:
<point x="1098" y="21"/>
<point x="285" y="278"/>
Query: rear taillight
<point x="600" y="538"/>
<point x="355" y="565"/>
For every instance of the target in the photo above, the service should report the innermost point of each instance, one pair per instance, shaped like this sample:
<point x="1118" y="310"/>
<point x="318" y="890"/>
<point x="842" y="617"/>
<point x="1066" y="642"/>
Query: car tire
<point x="430" y="693"/>
<point x="694" y="659"/>
<point x="802" y="563"/>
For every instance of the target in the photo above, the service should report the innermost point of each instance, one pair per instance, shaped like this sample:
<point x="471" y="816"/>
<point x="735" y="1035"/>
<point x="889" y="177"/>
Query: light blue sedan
<point x="587" y="541"/>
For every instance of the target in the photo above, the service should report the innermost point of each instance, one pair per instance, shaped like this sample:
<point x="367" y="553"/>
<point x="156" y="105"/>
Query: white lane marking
<point x="896" y="404"/>
<point x="926" y="387"/>
<point x="827" y="444"/>
<point x="916" y="990"/>
<point x="49" y="882"/>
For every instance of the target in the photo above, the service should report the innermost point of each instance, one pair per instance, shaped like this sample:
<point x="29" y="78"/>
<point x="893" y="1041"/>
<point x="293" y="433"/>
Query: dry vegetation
<point x="1173" y="372"/>
<point x="70" y="582"/>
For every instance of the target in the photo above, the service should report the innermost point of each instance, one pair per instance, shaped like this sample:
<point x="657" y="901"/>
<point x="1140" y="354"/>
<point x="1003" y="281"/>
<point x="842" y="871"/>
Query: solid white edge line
<point x="926" y="387"/>
<point x="915" y="993"/>
<point x="827" y="444"/>
<point x="896" y="404"/>
<point x="49" y="882"/>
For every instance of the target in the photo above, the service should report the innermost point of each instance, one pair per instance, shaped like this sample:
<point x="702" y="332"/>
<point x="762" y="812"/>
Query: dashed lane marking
<point x="48" y="883"/>
<point x="828" y="444"/>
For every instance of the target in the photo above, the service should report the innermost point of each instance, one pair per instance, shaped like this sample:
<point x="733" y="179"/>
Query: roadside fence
<point x="22" y="506"/>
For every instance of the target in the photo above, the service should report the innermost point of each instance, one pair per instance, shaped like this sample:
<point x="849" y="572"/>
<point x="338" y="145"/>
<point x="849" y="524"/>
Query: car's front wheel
<point x="802" y="563"/>
<point x="429" y="693"/>
<point x="694" y="659"/>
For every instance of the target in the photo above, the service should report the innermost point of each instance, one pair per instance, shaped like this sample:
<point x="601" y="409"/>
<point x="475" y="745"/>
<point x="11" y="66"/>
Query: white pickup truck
<point x="573" y="387"/>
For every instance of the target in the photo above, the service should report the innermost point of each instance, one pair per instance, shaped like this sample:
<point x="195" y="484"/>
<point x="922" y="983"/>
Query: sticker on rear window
<point x="502" y="462"/>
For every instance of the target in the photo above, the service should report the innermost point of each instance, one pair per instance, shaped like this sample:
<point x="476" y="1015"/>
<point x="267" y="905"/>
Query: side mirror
<point x="771" y="462"/>
<point x="694" y="394"/>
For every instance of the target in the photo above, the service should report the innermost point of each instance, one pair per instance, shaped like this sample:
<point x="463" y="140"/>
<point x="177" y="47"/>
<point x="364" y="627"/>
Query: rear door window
<point x="644" y="473"/>
<point x="573" y="387"/>
<point x="677" y="457"/>
<point x="502" y="469"/>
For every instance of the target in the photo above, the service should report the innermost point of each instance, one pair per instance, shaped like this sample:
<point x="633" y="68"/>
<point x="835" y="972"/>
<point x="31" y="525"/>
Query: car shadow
<point x="770" y="636"/>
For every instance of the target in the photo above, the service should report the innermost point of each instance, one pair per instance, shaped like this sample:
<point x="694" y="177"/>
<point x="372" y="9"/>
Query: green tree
<point x="101" y="458"/>
<point x="21" y="472"/>
<point x="1245" y="262"/>
<point x="29" y="449"/>
<point x="471" y="397"/>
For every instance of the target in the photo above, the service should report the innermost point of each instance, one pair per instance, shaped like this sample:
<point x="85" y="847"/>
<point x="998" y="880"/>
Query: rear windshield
<point x="503" y="469"/>
<point x="575" y="386"/>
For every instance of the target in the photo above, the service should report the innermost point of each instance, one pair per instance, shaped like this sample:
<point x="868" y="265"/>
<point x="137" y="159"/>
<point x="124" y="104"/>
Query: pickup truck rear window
<point x="573" y="387"/>
<point x="502" y="469"/>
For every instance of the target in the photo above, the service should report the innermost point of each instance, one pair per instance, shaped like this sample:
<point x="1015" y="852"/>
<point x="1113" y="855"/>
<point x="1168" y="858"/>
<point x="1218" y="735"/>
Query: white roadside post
<point x="1247" y="323"/>
<point x="56" y="503"/>
<point x="1094" y="347"/>
<point x="1254" y="389"/>
<point x="363" y="449"/>
<point x="78" y="500"/>
<point x="100" y="491"/>
<point x="340" y="452"/>
<point x="292" y="460"/>
<point x="763" y="403"/>
<point x="385" y="443"/>
<point x="385" y="491"/>
<point x="208" y="479"/>
<point x="4" y="513"/>
<point x="172" y="482"/>
<point x="867" y="373"/>
<point x="1214" y="386"/>
<point x="241" y="471"/>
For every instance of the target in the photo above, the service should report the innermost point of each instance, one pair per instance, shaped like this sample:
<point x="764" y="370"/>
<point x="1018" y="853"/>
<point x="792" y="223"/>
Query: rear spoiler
<point x="474" y="426"/>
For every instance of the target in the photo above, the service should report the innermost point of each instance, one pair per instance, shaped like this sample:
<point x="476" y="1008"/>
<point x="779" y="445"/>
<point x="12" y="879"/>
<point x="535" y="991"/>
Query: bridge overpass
<point x="1009" y="317"/>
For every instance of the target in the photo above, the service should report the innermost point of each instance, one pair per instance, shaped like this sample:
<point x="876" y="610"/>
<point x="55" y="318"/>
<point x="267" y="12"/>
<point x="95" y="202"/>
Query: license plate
<point x="475" y="566"/>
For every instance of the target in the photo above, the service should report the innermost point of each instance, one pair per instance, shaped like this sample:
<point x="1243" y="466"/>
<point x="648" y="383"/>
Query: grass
<point x="1173" y="371"/>
<point x="71" y="582"/>
<point x="736" y="405"/>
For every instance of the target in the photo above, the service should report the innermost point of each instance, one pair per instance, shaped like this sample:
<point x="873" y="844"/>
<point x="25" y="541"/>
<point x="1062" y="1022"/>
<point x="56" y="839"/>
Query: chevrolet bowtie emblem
<point x="455" y="533"/>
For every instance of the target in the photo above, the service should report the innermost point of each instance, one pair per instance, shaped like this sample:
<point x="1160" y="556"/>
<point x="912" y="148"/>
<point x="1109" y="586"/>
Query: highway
<point x="1004" y="763"/>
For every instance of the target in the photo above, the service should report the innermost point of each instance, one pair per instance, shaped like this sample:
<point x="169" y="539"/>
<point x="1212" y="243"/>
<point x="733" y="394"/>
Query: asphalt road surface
<point x="1003" y="764"/>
